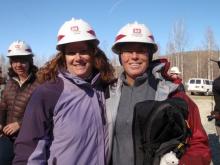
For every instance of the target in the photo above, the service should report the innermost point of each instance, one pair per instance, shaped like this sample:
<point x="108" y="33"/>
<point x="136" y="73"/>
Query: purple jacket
<point x="63" y="124"/>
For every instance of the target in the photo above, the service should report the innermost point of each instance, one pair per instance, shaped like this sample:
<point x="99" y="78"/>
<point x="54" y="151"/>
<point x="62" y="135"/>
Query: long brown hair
<point x="50" y="70"/>
<point x="101" y="63"/>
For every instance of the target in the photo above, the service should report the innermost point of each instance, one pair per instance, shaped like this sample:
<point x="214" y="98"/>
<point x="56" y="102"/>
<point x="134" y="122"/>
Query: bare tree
<point x="171" y="53"/>
<point x="197" y="64"/>
<point x="178" y="42"/>
<point x="210" y="46"/>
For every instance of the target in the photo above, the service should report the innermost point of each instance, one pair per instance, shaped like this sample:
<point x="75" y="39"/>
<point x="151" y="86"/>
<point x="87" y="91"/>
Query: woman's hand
<point x="11" y="128"/>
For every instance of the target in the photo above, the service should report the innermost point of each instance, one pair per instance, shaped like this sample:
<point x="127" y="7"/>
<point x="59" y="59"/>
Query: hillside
<point x="195" y="64"/>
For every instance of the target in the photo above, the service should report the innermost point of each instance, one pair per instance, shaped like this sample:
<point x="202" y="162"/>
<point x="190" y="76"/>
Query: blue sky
<point x="38" y="21"/>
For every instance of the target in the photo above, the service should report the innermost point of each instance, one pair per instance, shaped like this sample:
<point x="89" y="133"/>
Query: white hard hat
<point x="75" y="30"/>
<point x="19" y="48"/>
<point x="175" y="70"/>
<point x="134" y="32"/>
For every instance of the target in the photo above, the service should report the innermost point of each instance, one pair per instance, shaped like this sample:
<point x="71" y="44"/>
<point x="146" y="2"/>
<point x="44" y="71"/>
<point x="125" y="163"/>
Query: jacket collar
<point x="21" y="83"/>
<point x="95" y="78"/>
<point x="138" y="81"/>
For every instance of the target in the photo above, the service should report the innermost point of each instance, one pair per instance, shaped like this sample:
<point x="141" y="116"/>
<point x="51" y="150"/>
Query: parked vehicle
<point x="199" y="86"/>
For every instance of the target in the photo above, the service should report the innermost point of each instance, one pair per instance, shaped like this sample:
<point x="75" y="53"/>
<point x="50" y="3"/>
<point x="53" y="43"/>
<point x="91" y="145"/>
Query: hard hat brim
<point x="94" y="41"/>
<point x="20" y="55"/>
<point x="116" y="47"/>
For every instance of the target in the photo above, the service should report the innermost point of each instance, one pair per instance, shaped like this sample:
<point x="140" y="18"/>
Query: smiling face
<point x="135" y="60"/>
<point x="20" y="66"/>
<point x="79" y="58"/>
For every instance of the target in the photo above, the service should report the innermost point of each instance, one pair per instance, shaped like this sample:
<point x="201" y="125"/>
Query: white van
<point x="199" y="86"/>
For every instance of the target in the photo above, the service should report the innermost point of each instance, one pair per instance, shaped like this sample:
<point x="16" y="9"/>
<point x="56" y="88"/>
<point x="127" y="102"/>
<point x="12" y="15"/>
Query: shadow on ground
<point x="215" y="147"/>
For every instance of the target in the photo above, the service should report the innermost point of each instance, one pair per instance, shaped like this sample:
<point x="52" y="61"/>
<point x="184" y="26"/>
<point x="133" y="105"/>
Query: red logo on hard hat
<point x="152" y="37"/>
<point x="91" y="32"/>
<point x="74" y="28"/>
<point x="17" y="46"/>
<point x="60" y="37"/>
<point x="119" y="37"/>
<point x="136" y="30"/>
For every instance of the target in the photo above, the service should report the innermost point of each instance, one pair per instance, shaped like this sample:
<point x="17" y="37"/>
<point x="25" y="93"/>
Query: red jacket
<point x="198" y="152"/>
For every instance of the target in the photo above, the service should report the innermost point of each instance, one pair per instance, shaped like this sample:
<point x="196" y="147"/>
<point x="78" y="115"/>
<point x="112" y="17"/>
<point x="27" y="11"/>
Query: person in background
<point x="65" y="120"/>
<point x="216" y="93"/>
<point x="15" y="96"/>
<point x="216" y="112"/>
<point x="175" y="73"/>
<point x="175" y="76"/>
<point x="145" y="79"/>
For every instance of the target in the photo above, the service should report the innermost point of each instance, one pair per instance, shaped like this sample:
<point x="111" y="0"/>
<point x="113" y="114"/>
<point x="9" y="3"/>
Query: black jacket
<point x="159" y="127"/>
<point x="216" y="92"/>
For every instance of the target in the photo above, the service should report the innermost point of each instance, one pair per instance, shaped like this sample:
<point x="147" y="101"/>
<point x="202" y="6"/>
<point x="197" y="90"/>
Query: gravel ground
<point x="205" y="104"/>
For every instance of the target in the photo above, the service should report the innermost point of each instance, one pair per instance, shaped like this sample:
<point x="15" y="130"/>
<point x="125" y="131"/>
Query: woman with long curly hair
<point x="65" y="121"/>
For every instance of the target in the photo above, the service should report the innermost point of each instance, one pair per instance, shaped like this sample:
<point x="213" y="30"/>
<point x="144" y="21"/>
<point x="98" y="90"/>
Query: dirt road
<point x="205" y="104"/>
